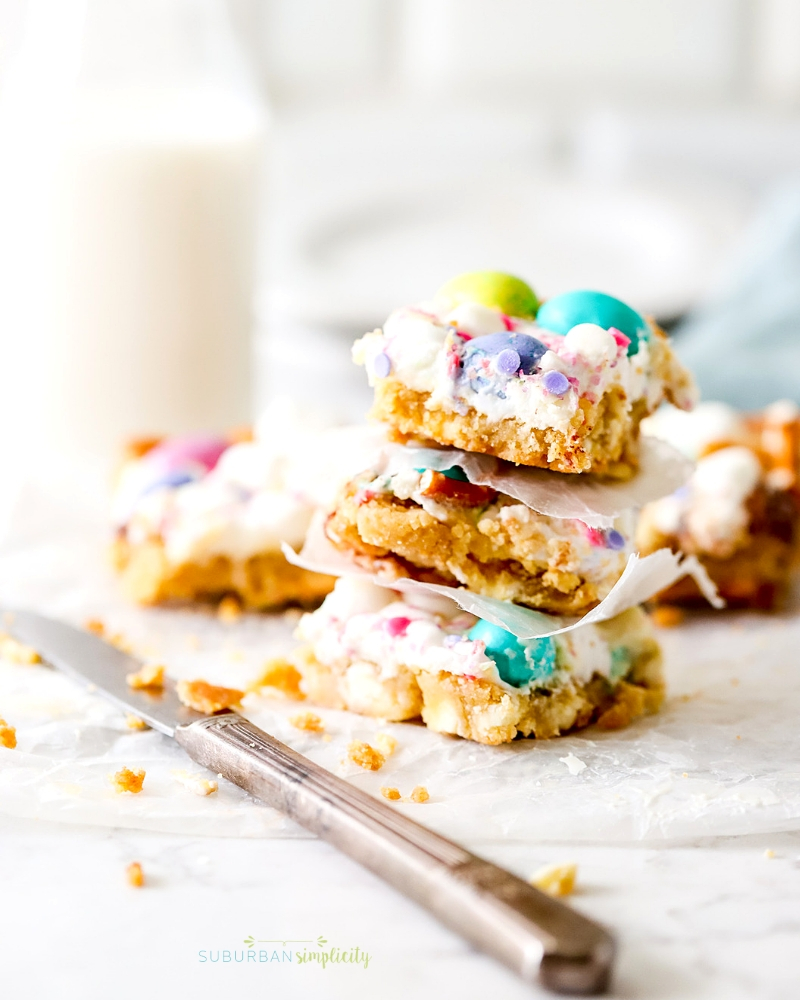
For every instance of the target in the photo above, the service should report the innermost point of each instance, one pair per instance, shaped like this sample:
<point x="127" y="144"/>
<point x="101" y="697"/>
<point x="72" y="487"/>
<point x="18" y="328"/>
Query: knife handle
<point x="539" y="938"/>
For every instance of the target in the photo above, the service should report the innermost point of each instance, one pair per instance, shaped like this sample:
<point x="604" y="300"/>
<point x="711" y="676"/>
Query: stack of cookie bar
<point x="517" y="386"/>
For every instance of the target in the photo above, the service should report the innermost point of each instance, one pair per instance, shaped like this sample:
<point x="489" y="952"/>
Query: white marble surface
<point x="715" y="919"/>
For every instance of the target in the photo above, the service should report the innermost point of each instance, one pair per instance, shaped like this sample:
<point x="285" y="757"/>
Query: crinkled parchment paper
<point x="722" y="757"/>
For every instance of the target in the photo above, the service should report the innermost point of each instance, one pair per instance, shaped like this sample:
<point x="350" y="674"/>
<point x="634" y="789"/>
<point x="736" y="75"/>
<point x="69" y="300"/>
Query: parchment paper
<point x="722" y="757"/>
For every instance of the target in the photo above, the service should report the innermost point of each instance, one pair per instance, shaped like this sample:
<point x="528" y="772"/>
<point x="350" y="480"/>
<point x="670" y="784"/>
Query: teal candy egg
<point x="563" y="312"/>
<point x="454" y="472"/>
<point x="519" y="661"/>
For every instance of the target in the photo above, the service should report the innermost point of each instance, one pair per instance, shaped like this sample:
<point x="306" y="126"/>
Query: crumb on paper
<point x="96" y="625"/>
<point x="419" y="794"/>
<point x="308" y="721"/>
<point x="126" y="780"/>
<point x="196" y="783"/>
<point x="281" y="676"/>
<point x="738" y="737"/>
<point x="393" y="794"/>
<point x="574" y="764"/>
<point x="118" y="641"/>
<point x="193" y="641"/>
<point x="769" y="854"/>
<point x="17" y="652"/>
<point x="8" y="735"/>
<point x="229" y="609"/>
<point x="556" y="880"/>
<point x="667" y="616"/>
<point x="365" y="756"/>
<point x="386" y="744"/>
<point x="685" y="774"/>
<point x="235" y="655"/>
<point x="150" y="677"/>
<point x="208" y="698"/>
<point x="135" y="875"/>
<point x="134" y="722"/>
<point x="734" y="682"/>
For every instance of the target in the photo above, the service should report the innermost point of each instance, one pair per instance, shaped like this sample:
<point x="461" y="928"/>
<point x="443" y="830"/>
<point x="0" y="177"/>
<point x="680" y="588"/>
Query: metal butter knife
<point x="538" y="937"/>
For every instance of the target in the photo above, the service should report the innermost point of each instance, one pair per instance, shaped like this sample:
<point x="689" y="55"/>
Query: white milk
<point x="152" y="269"/>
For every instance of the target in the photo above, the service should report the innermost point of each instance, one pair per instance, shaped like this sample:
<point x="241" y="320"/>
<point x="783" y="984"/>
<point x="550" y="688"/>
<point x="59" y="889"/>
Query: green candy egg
<point x="572" y="308"/>
<point x="510" y="295"/>
<point x="519" y="661"/>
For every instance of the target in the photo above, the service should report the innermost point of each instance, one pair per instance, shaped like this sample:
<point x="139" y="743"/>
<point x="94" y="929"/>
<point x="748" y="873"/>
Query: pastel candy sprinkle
<point x="614" y="540"/>
<point x="555" y="382"/>
<point x="528" y="349"/>
<point x="518" y="661"/>
<point x="507" y="361"/>
<point x="562" y="313"/>
<point x="396" y="626"/>
<point x="381" y="365"/>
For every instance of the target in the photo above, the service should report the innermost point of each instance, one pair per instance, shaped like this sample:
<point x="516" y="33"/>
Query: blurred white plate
<point x="655" y="247"/>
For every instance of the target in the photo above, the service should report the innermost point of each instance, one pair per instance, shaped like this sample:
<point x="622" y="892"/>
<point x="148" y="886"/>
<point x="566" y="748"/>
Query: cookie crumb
<point x="8" y="735"/>
<point x="419" y="794"/>
<point x="134" y="722"/>
<point x="685" y="774"/>
<point x="17" y="652"/>
<point x="193" y="641"/>
<point x="365" y="756"/>
<point x="118" y="641"/>
<point x="149" y="677"/>
<point x="127" y="780"/>
<point x="667" y="616"/>
<point x="229" y="610"/>
<point x="135" y="875"/>
<point x="769" y="854"/>
<point x="196" y="783"/>
<point x="556" y="880"/>
<point x="208" y="698"/>
<point x="393" y="794"/>
<point x="96" y="625"/>
<point x="386" y="744"/>
<point x="280" y="676"/>
<point x="308" y="721"/>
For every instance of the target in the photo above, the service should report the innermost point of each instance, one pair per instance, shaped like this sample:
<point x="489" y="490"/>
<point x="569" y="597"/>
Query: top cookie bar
<point x="485" y="367"/>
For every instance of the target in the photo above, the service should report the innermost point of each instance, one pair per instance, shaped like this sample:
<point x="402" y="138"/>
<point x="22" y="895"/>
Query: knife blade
<point x="538" y="937"/>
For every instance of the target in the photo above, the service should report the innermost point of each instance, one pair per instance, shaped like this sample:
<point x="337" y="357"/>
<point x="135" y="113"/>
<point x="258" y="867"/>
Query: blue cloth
<point x="743" y="345"/>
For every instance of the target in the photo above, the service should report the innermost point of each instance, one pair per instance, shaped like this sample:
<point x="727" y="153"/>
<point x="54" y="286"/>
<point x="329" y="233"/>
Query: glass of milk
<point x="130" y="148"/>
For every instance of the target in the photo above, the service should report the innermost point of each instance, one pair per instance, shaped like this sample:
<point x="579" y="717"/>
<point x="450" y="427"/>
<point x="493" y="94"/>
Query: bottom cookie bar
<point x="369" y="650"/>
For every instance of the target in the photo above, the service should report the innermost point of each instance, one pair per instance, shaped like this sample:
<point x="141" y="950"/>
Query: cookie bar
<point x="440" y="528"/>
<point x="740" y="512"/>
<point x="486" y="368"/>
<point x="198" y="518"/>
<point x="371" y="650"/>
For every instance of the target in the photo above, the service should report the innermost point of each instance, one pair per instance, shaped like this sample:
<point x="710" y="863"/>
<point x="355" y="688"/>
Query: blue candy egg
<point x="173" y="479"/>
<point x="519" y="661"/>
<point x="528" y="348"/>
<point x="572" y="308"/>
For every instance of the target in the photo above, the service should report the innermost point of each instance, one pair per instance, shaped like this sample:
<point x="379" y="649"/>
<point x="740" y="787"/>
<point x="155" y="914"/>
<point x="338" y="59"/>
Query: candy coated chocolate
<point x="561" y="313"/>
<point x="512" y="296"/>
<point x="528" y="349"/>
<point x="518" y="662"/>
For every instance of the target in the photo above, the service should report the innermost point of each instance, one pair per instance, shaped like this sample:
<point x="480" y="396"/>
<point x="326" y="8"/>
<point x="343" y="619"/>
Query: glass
<point x="130" y="147"/>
